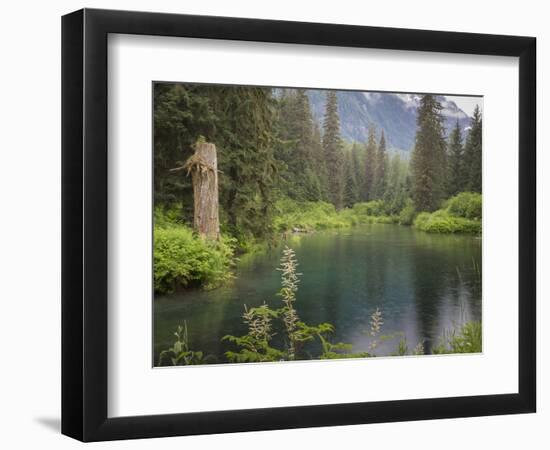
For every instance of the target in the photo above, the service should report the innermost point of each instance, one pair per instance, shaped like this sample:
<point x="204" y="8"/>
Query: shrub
<point x="372" y="208"/>
<point x="466" y="205"/>
<point x="164" y="217"/>
<point x="407" y="214"/>
<point x="182" y="259"/>
<point x="309" y="216"/>
<point x="461" y="214"/>
<point x="442" y="222"/>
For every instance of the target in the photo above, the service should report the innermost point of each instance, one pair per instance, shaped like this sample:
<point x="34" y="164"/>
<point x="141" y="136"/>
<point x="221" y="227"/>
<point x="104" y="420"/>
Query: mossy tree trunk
<point x="203" y="166"/>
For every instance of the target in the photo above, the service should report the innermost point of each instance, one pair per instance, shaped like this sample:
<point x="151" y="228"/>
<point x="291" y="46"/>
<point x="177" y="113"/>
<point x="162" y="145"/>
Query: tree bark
<point x="203" y="166"/>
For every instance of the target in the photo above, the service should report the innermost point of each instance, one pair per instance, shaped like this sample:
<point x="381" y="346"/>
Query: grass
<point x="468" y="339"/>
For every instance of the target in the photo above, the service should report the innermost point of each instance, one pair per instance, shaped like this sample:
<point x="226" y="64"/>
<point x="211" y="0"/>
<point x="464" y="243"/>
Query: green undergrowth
<point x="460" y="214"/>
<point x="297" y="216"/>
<point x="183" y="259"/>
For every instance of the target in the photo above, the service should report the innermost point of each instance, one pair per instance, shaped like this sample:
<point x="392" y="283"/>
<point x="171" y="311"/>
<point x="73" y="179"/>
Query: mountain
<point x="394" y="113"/>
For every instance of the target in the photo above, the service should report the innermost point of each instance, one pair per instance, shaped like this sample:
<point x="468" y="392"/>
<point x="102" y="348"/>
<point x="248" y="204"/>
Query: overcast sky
<point x="467" y="104"/>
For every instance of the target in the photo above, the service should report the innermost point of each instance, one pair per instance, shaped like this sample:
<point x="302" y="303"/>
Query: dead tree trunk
<point x="203" y="166"/>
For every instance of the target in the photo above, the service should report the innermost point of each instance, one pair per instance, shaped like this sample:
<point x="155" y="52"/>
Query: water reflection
<point x="424" y="284"/>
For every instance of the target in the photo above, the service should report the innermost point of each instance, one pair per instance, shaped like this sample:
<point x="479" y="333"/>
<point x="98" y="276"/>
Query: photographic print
<point x="294" y="224"/>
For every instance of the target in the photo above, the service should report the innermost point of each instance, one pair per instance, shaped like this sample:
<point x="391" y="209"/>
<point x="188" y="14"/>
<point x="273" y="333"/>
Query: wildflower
<point x="419" y="349"/>
<point x="376" y="323"/>
<point x="289" y="283"/>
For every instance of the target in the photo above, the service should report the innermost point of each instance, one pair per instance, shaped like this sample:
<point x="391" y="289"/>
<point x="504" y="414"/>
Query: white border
<point x="136" y="389"/>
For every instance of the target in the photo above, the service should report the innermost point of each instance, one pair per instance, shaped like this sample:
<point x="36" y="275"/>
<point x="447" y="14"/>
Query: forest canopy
<point x="271" y="148"/>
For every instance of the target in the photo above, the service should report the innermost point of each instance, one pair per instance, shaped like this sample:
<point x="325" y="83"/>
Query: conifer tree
<point x="472" y="153"/>
<point x="350" y="181"/>
<point x="319" y="163"/>
<point x="297" y="150"/>
<point x="429" y="158"/>
<point x="456" y="175"/>
<point x="396" y="192"/>
<point x="306" y="176"/>
<point x="381" y="167"/>
<point x="357" y="161"/>
<point x="332" y="145"/>
<point x="248" y="169"/>
<point x="370" y="165"/>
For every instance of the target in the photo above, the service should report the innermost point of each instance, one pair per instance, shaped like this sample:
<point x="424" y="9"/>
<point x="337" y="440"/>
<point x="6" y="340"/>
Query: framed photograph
<point x="273" y="224"/>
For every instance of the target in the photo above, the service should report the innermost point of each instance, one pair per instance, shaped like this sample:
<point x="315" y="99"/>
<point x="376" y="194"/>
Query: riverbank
<point x="459" y="214"/>
<point x="183" y="260"/>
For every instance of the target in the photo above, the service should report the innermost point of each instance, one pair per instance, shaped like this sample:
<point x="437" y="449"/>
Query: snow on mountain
<point x="393" y="113"/>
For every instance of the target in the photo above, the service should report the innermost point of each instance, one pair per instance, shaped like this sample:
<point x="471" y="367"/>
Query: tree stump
<point x="203" y="166"/>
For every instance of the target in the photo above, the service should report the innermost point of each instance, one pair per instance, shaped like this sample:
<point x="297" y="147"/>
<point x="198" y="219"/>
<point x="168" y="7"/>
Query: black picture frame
<point x="84" y="224"/>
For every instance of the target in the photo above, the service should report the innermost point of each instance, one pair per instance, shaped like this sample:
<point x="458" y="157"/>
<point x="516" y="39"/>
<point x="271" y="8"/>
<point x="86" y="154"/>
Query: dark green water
<point x="423" y="283"/>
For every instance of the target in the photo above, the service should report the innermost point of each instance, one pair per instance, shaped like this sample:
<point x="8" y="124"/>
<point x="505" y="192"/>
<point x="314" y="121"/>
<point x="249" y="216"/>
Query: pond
<point x="424" y="284"/>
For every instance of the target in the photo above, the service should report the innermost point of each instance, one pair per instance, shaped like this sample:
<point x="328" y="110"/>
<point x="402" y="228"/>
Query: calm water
<point x="423" y="283"/>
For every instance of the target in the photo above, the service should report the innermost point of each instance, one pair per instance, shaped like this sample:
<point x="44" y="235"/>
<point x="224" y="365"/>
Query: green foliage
<point x="472" y="153"/>
<point x="332" y="145"/>
<point x="352" y="177"/>
<point x="299" y="147"/>
<point x="180" y="354"/>
<point x="407" y="214"/>
<point x="370" y="166"/>
<point x="308" y="216"/>
<point x="181" y="113"/>
<point x="465" y="204"/>
<point x="462" y="214"/>
<point x="372" y="208"/>
<point x="262" y="323"/>
<point x="289" y="286"/>
<point x="256" y="345"/>
<point x="240" y="122"/>
<point x="428" y="160"/>
<point x="457" y="177"/>
<point x="182" y="259"/>
<point x="381" y="168"/>
<point x="402" y="347"/>
<point x="270" y="148"/>
<point x="293" y="216"/>
<point x="468" y="339"/>
<point x="167" y="216"/>
<point x="442" y="222"/>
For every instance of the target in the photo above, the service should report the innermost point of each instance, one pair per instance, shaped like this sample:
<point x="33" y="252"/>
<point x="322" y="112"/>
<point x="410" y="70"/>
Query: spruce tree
<point x="395" y="193"/>
<point x="472" y="153"/>
<point x="357" y="161"/>
<point x="248" y="169"/>
<point x="240" y="122"/>
<point x="456" y="176"/>
<point x="350" y="181"/>
<point x="181" y="114"/>
<point x="428" y="158"/>
<point x="296" y="130"/>
<point x="319" y="163"/>
<point x="381" y="167"/>
<point x="332" y="145"/>
<point x="370" y="165"/>
<point x="311" y="183"/>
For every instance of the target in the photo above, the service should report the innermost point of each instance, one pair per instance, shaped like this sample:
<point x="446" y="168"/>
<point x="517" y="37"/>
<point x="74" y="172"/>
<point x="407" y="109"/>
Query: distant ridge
<point x="394" y="113"/>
